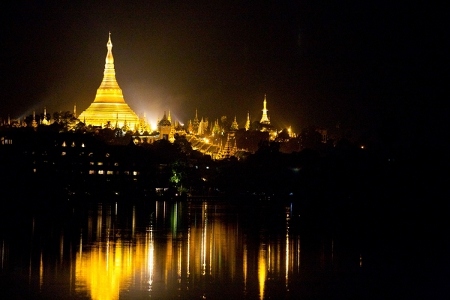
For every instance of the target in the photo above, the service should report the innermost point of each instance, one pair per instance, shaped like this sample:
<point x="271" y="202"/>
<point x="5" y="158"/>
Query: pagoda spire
<point x="34" y="123"/>
<point x="234" y="124"/>
<point x="44" y="119"/>
<point x="247" y="123"/>
<point x="109" y="74"/>
<point x="264" y="118"/>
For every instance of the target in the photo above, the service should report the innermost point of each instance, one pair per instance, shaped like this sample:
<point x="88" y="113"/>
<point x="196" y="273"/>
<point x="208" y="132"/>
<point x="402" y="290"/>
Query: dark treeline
<point x="339" y="179"/>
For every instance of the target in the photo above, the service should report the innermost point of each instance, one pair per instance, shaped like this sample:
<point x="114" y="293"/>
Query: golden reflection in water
<point x="287" y="260"/>
<point x="180" y="260"/>
<point x="244" y="265"/>
<point x="157" y="260"/>
<point x="104" y="269"/>
<point x="188" y="252"/>
<point x="99" y="221"/>
<point x="61" y="247"/>
<point x="286" y="275"/>
<point x="262" y="270"/>
<point x="212" y="245"/>
<point x="41" y="271"/>
<point x="168" y="258"/>
<point x="133" y="222"/>
<point x="204" y="240"/>
<point x="150" y="246"/>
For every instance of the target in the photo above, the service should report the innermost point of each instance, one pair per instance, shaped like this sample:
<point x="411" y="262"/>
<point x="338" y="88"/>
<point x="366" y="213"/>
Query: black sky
<point x="319" y="63"/>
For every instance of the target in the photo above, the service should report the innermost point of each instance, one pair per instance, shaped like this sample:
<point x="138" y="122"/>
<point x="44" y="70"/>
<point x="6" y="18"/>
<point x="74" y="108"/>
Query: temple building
<point x="109" y="106"/>
<point x="165" y="128"/>
<point x="229" y="149"/>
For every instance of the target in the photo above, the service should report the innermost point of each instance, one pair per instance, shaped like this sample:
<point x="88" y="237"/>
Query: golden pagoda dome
<point x="109" y="104"/>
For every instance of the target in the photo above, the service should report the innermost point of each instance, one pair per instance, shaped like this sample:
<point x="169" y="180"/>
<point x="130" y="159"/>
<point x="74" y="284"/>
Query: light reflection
<point x="165" y="256"/>
<point x="133" y="226"/>
<point x="179" y="257"/>
<point x="244" y="266"/>
<point x="262" y="272"/>
<point x="61" y="247"/>
<point x="41" y="271"/>
<point x="204" y="233"/>
<point x="286" y="264"/>
<point x="99" y="220"/>
<point x="150" y="259"/>
<point x="104" y="270"/>
<point x="188" y="252"/>
<point x="168" y="258"/>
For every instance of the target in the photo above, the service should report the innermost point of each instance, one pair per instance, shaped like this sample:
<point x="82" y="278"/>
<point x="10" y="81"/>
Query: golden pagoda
<point x="109" y="106"/>
<point x="264" y="118"/>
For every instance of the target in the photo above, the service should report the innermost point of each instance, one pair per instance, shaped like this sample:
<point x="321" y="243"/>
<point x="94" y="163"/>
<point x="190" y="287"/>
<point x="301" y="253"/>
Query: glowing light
<point x="245" y="265"/>
<point x="262" y="271"/>
<point x="204" y="233"/>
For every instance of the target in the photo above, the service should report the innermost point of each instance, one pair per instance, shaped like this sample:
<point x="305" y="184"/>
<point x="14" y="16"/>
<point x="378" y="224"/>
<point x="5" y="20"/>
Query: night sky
<point x="356" y="63"/>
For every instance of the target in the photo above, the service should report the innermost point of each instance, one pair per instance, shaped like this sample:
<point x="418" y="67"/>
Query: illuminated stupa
<point x="264" y="118"/>
<point x="109" y="104"/>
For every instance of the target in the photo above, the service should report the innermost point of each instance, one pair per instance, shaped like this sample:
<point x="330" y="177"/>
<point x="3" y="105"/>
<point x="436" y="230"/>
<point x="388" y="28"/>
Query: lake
<point x="193" y="250"/>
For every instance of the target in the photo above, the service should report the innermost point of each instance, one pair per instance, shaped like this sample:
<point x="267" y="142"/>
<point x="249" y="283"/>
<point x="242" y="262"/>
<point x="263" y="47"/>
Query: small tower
<point x="234" y="125"/>
<point x="44" y="120"/>
<point x="265" y="118"/>
<point x="190" y="127"/>
<point x="247" y="123"/>
<point x="34" y="123"/>
<point x="200" y="129"/>
<point x="195" y="123"/>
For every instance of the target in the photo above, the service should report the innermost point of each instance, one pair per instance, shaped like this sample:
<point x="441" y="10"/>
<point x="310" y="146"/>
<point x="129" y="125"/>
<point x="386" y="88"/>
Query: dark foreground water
<point x="203" y="250"/>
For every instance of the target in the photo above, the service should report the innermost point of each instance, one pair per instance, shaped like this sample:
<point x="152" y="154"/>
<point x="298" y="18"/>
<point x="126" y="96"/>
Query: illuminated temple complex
<point x="109" y="104"/>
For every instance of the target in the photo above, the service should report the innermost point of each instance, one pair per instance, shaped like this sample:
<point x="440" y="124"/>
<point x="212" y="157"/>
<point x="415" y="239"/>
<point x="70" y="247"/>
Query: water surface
<point x="185" y="250"/>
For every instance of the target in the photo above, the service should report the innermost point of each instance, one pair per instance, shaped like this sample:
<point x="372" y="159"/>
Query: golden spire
<point x="109" y="104"/>
<point x="234" y="124"/>
<point x="109" y="85"/>
<point x="247" y="123"/>
<point x="264" y="118"/>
